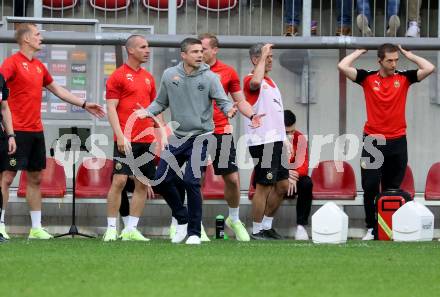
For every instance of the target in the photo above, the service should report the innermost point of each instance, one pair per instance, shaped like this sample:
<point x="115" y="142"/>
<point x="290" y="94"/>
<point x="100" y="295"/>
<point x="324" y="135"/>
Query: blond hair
<point x="22" y="29"/>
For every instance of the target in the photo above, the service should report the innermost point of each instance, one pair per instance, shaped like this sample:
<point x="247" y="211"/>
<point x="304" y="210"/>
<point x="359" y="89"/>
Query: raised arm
<point x="260" y="68"/>
<point x="345" y="64"/>
<point x="425" y="67"/>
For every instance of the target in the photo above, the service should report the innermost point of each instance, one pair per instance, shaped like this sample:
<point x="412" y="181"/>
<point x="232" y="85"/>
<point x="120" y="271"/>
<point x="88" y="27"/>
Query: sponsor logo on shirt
<point x="78" y="68"/>
<point x="39" y="69"/>
<point x="200" y="87"/>
<point x="176" y="80"/>
<point x="147" y="81"/>
<point x="376" y="85"/>
<point x="25" y="66"/>
<point x="129" y="77"/>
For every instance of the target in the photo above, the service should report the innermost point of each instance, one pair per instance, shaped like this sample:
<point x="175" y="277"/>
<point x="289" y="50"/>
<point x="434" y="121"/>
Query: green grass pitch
<point x="81" y="267"/>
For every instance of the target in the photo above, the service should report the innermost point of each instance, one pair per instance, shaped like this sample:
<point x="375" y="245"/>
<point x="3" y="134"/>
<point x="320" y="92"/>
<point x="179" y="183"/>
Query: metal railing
<point x="246" y="17"/>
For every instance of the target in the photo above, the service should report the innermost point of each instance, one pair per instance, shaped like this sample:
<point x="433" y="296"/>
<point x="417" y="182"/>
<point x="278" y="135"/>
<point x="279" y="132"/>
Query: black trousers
<point x="304" y="204"/>
<point x="388" y="175"/>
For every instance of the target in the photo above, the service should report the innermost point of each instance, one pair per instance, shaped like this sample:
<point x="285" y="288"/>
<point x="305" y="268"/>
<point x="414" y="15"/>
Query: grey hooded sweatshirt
<point x="189" y="98"/>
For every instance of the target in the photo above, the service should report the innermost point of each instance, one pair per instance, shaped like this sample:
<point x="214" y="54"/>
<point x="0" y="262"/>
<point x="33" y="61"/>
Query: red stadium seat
<point x="110" y="5"/>
<point x="330" y="184"/>
<point x="408" y="182"/>
<point x="432" y="190"/>
<point x="53" y="181"/>
<point x="213" y="185"/>
<point x="160" y="5"/>
<point x="94" y="177"/>
<point x="59" y="4"/>
<point x="217" y="5"/>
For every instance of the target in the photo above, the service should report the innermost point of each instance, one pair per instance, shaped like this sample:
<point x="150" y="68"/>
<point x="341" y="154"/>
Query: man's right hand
<point x="266" y="49"/>
<point x="123" y="144"/>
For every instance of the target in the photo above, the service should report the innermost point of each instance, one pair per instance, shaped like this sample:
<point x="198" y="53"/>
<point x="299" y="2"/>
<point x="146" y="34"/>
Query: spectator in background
<point x="293" y="11"/>
<point x="364" y="18"/>
<point x="299" y="182"/>
<point x="413" y="18"/>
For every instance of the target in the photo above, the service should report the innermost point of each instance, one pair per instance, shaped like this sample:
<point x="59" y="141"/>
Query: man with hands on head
<point x="384" y="132"/>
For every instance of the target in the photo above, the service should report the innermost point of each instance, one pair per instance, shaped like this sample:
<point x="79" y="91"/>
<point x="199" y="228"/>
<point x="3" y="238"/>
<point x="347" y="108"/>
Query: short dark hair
<point x="130" y="40"/>
<point x="23" y="29"/>
<point x="386" y="48"/>
<point x="289" y="118"/>
<point x="213" y="40"/>
<point x="184" y="45"/>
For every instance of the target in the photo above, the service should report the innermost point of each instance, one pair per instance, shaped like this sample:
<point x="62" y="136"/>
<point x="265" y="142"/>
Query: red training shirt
<point x="25" y="79"/>
<point x="299" y="150"/>
<point x="385" y="99"/>
<point x="231" y="84"/>
<point x="131" y="87"/>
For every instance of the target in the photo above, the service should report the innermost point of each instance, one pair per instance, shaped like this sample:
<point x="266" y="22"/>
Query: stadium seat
<point x="160" y="5"/>
<point x="432" y="189"/>
<point x="53" y="181"/>
<point x="59" y="4"/>
<point x="93" y="178"/>
<point x="330" y="184"/>
<point x="213" y="185"/>
<point x="217" y="5"/>
<point x="110" y="5"/>
<point x="408" y="182"/>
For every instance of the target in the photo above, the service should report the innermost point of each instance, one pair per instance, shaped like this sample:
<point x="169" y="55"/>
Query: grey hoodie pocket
<point x="189" y="123"/>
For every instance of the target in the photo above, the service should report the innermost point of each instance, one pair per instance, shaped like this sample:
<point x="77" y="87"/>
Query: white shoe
<point x="193" y="239"/>
<point x="369" y="235"/>
<point x="181" y="232"/>
<point x="203" y="236"/>
<point x="362" y="24"/>
<point x="301" y="233"/>
<point x="393" y="26"/>
<point x="413" y="30"/>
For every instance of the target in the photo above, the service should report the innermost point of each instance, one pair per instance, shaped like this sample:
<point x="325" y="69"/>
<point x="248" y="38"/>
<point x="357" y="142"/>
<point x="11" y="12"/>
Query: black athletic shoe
<point x="272" y="234"/>
<point x="2" y="239"/>
<point x="259" y="236"/>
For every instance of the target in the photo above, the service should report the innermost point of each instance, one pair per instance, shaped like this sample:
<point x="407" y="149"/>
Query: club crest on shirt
<point x="39" y="69"/>
<point x="25" y="66"/>
<point x="129" y="76"/>
<point x="200" y="87"/>
<point x="147" y="81"/>
<point x="396" y="84"/>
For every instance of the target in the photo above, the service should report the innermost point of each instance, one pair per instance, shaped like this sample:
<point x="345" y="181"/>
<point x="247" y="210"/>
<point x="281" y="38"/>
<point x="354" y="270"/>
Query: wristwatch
<point x="84" y="104"/>
<point x="11" y="135"/>
<point x="252" y="117"/>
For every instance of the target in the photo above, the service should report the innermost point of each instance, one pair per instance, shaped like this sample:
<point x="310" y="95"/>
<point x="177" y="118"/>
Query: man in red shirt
<point x="25" y="77"/>
<point x="384" y="156"/>
<point x="300" y="183"/>
<point x="128" y="88"/>
<point x="224" y="157"/>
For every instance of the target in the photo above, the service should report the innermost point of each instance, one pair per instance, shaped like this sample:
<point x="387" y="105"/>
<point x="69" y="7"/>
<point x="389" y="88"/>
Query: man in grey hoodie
<point x="188" y="90"/>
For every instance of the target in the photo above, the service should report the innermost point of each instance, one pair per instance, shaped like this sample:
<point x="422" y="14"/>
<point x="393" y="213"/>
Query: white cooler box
<point x="413" y="222"/>
<point x="329" y="224"/>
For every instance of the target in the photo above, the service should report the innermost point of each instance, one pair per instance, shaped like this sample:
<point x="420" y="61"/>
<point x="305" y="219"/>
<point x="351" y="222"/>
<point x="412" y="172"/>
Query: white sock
<point x="111" y="223"/>
<point x="267" y="223"/>
<point x="2" y="216"/>
<point x="174" y="221"/>
<point x="256" y="227"/>
<point x="234" y="214"/>
<point x="132" y="223"/>
<point x="125" y="221"/>
<point x="36" y="219"/>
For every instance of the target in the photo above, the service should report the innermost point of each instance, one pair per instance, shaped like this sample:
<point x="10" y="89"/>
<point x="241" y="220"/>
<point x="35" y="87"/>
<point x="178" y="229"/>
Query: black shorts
<point x="269" y="169"/>
<point x="3" y="151"/>
<point x="30" y="154"/>
<point x="147" y="169"/>
<point x="225" y="153"/>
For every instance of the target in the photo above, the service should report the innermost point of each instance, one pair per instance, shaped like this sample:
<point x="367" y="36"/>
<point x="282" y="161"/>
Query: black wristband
<point x="252" y="117"/>
<point x="84" y="104"/>
<point x="11" y="135"/>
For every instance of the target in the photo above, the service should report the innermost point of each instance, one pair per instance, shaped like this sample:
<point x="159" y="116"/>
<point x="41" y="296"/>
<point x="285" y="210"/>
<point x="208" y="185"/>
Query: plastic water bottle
<point x="219" y="227"/>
